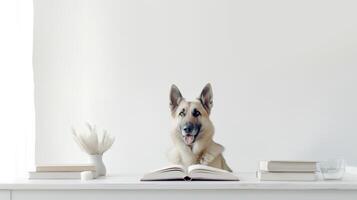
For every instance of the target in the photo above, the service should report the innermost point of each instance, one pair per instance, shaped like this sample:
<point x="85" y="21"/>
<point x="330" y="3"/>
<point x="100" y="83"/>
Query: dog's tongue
<point x="189" y="139"/>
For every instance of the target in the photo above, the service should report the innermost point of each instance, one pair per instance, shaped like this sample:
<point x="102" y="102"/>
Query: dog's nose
<point x="188" y="128"/>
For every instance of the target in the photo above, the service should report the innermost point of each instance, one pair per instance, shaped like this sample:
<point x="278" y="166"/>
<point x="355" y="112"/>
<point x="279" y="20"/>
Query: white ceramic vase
<point x="97" y="161"/>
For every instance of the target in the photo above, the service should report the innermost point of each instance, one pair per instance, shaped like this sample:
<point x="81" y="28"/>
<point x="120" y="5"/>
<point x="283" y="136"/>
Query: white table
<point x="123" y="187"/>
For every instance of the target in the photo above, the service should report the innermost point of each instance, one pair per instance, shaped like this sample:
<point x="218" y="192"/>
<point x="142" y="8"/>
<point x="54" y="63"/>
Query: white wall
<point x="17" y="112"/>
<point x="283" y="75"/>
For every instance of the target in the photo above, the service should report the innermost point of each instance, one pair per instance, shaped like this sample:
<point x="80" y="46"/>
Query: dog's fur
<point x="193" y="131"/>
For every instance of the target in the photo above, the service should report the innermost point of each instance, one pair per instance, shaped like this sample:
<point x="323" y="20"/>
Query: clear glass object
<point x="332" y="169"/>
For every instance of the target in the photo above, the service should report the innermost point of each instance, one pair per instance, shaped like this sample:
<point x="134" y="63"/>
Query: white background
<point x="17" y="114"/>
<point x="283" y="76"/>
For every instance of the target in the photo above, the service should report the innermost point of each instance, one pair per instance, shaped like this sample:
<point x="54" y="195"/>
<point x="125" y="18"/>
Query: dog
<point x="193" y="131"/>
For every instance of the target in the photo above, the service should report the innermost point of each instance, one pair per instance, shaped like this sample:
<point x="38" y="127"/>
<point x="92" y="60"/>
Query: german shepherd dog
<point x="193" y="131"/>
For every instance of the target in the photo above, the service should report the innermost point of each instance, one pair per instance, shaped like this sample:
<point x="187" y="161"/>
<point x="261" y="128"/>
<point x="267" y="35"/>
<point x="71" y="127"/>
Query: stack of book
<point x="275" y="170"/>
<point x="60" y="171"/>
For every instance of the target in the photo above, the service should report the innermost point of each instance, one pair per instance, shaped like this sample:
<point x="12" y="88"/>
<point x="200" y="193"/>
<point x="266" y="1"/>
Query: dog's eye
<point x="196" y="113"/>
<point x="182" y="113"/>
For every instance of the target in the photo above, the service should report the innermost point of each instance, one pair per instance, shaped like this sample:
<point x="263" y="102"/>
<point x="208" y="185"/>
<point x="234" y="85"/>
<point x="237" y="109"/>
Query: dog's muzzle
<point x="190" y="132"/>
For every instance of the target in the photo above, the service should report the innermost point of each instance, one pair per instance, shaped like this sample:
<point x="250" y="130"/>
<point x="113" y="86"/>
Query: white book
<point x="193" y="172"/>
<point x="286" y="176"/>
<point x="287" y="166"/>
<point x="54" y="175"/>
<point x="64" y="168"/>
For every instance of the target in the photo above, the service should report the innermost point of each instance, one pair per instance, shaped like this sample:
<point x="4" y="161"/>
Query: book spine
<point x="274" y="167"/>
<point x="54" y="175"/>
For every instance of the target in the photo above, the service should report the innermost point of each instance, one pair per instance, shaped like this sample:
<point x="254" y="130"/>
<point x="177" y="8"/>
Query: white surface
<point x="185" y="194"/>
<point x="283" y="76"/>
<point x="120" y="187"/>
<point x="248" y="181"/>
<point x="4" y="195"/>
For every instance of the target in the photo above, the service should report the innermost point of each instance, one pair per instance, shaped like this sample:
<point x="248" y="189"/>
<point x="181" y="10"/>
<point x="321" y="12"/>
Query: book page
<point x="204" y="168"/>
<point x="170" y="168"/>
<point x="173" y="172"/>
<point x="203" y="172"/>
<point x="291" y="161"/>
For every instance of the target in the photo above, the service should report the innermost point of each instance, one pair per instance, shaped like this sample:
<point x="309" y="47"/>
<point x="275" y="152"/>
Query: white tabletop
<point x="121" y="182"/>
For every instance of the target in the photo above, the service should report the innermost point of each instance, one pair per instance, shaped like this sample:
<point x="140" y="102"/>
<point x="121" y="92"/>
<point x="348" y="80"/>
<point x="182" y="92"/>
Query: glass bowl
<point x="332" y="169"/>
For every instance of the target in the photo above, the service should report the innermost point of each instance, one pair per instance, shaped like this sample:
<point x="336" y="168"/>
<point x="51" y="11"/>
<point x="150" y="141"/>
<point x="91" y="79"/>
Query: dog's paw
<point x="206" y="159"/>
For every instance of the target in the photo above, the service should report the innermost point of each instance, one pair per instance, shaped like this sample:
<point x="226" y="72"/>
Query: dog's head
<point x="191" y="118"/>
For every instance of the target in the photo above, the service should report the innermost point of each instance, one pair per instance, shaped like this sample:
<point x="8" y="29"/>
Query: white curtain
<point x="17" y="117"/>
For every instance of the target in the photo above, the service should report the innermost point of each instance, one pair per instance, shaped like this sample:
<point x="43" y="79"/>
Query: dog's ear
<point x="206" y="98"/>
<point x="175" y="97"/>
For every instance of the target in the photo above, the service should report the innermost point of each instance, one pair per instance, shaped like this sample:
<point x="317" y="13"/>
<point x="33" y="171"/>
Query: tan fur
<point x="204" y="150"/>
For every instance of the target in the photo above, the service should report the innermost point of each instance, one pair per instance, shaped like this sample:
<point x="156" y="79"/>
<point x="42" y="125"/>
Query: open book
<point x="193" y="172"/>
